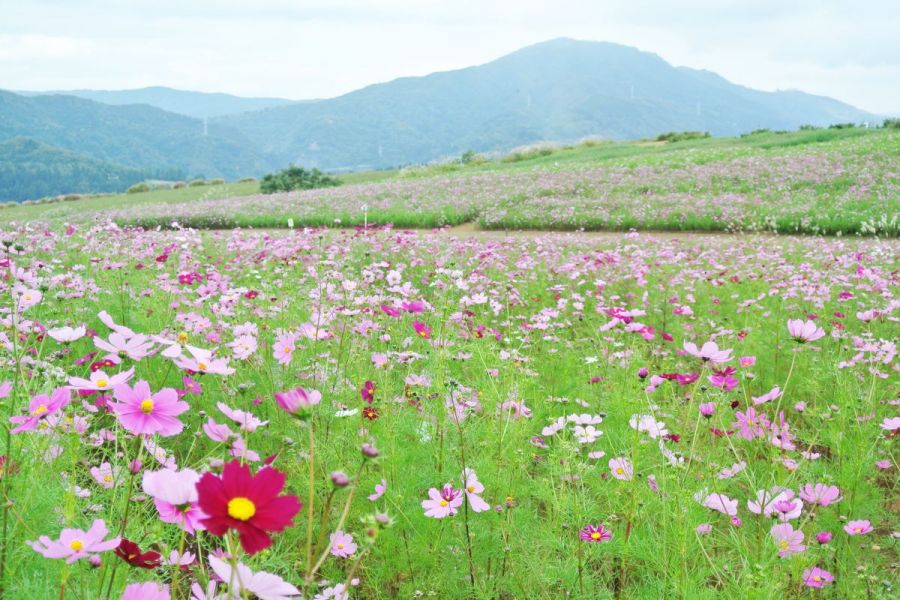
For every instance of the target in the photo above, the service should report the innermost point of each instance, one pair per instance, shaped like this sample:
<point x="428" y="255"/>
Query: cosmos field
<point x="379" y="413"/>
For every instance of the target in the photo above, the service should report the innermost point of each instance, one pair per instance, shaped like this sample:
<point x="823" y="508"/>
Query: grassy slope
<point x="588" y="155"/>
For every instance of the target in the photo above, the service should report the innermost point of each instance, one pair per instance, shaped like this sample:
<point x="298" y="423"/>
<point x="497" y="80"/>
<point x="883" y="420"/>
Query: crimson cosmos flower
<point x="248" y="503"/>
<point x="131" y="553"/>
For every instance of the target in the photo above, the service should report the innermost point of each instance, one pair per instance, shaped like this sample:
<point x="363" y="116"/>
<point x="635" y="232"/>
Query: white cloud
<point x="321" y="48"/>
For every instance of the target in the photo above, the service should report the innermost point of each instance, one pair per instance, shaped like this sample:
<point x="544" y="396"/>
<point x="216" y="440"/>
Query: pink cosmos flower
<point x="134" y="347"/>
<point x="751" y="424"/>
<point x="772" y="394"/>
<point x="621" y="468"/>
<point x="380" y="489"/>
<point x="41" y="407"/>
<point x="817" y="578"/>
<point x="708" y="409"/>
<point x="146" y="591"/>
<point x="100" y="381"/>
<point x="766" y="500"/>
<point x="594" y="533"/>
<point x="860" y="527"/>
<point x="724" y="379"/>
<point x="708" y="353"/>
<point x="442" y="503"/>
<point x="890" y="423"/>
<point x="342" y="544"/>
<point x="788" y="541"/>
<point x="296" y="399"/>
<point x="390" y="311"/>
<point x="820" y="494"/>
<point x="216" y="432"/>
<point x="265" y="586"/>
<point x="75" y="544"/>
<point x="285" y="345"/>
<point x="142" y="413"/>
<point x="423" y="330"/>
<point x="248" y="421"/>
<point x="747" y="361"/>
<point x="67" y="335"/>
<point x="175" y="496"/>
<point x="105" y="475"/>
<point x="804" y="331"/>
<point x="473" y="488"/>
<point x="202" y="361"/>
<point x="721" y="503"/>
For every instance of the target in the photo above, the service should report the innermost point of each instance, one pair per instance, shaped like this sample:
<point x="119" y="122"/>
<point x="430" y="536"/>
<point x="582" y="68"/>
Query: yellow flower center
<point x="816" y="578"/>
<point x="182" y="337"/>
<point x="595" y="535"/>
<point x="102" y="383"/>
<point x="147" y="406"/>
<point x="471" y="489"/>
<point x="444" y="503"/>
<point x="620" y="471"/>
<point x="202" y="366"/>
<point x="784" y="545"/>
<point x="340" y="546"/>
<point x="39" y="410"/>
<point x="107" y="478"/>
<point x="241" y="508"/>
<point x="77" y="545"/>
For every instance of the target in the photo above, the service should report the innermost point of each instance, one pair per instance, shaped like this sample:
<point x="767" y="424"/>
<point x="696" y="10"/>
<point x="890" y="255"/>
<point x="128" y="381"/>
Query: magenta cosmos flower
<point x="41" y="407"/>
<point x="380" y="489"/>
<point x="787" y="539"/>
<point x="100" y="381"/>
<point x="294" y="400"/>
<point x="595" y="533"/>
<point x="816" y="577"/>
<point x="423" y="330"/>
<point x="442" y="503"/>
<point x="804" y="331"/>
<point x="142" y="413"/>
<point x="75" y="544"/>
<point x="860" y="527"/>
<point x="621" y="468"/>
<point x="710" y="352"/>
<point x="249" y="503"/>
<point x="175" y="496"/>
<point x="342" y="544"/>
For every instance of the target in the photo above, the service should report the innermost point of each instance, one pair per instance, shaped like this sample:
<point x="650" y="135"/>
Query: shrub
<point x="216" y="181"/>
<point x="296" y="178"/>
<point x="179" y="184"/>
<point x="809" y="127"/>
<point x="680" y="136"/>
<point x="891" y="124"/>
<point x="246" y="179"/>
<point x="842" y="126"/>
<point x="197" y="183"/>
<point x="138" y="188"/>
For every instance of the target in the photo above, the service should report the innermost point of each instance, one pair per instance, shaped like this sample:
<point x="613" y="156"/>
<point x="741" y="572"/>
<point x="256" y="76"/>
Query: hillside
<point x="559" y="90"/>
<point x="192" y="104"/>
<point x="30" y="169"/>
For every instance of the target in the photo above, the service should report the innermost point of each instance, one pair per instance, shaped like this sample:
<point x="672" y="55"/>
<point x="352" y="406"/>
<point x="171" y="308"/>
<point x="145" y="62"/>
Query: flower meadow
<point x="845" y="186"/>
<point x="380" y="413"/>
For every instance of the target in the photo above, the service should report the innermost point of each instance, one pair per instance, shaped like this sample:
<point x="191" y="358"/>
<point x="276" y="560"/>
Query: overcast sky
<point x="297" y="49"/>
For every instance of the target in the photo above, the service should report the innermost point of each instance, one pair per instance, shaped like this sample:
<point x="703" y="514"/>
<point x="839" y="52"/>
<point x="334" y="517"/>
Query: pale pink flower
<point x="296" y="399"/>
<point x="175" y="496"/>
<point x="860" y="527"/>
<point x="284" y="348"/>
<point x="721" y="503"/>
<point x="710" y="352"/>
<point x="380" y="489"/>
<point x="473" y="488"/>
<point x="342" y="544"/>
<point x="442" y="503"/>
<point x="66" y="334"/>
<point x="245" y="419"/>
<point x="820" y="494"/>
<point x="265" y="586"/>
<point x="75" y="544"/>
<point x="787" y="539"/>
<point x="806" y="331"/>
<point x="146" y="591"/>
<point x="621" y="468"/>
<point x="772" y="394"/>
<point x="105" y="475"/>
<point x="100" y="381"/>
<point x="135" y="347"/>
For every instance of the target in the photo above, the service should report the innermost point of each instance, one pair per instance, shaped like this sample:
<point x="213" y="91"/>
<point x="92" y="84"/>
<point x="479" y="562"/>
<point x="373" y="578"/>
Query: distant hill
<point x="30" y="169"/>
<point x="192" y="104"/>
<point x="134" y="135"/>
<point x="561" y="90"/>
<point x="558" y="90"/>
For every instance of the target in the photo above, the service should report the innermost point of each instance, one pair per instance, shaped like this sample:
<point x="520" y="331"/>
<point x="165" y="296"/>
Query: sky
<point x="297" y="49"/>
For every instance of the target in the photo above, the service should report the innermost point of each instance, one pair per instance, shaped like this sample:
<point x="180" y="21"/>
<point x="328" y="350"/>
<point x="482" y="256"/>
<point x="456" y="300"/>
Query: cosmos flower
<point x="131" y="553"/>
<point x="175" y="496"/>
<point x="75" y="544"/>
<point x="710" y="352"/>
<point x="247" y="503"/>
<point x="342" y="544"/>
<point x="265" y="586"/>
<point x="135" y="347"/>
<point x="820" y="494"/>
<point x="41" y="407"/>
<point x="146" y="591"/>
<point x="787" y="539"/>
<point x="247" y="420"/>
<point x="594" y="533"/>
<point x="473" y="488"/>
<point x="67" y="335"/>
<point x="380" y="488"/>
<point x="621" y="468"/>
<point x="806" y="331"/>
<point x="143" y="413"/>
<point x="721" y="503"/>
<point x="442" y="503"/>
<point x="105" y="475"/>
<point x="860" y="527"/>
<point x="368" y="391"/>
<point x="815" y="577"/>
<point x="100" y="381"/>
<point x="297" y="399"/>
<point x="422" y="330"/>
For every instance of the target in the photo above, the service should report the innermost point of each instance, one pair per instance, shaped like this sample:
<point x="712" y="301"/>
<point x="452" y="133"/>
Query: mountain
<point x="134" y="135"/>
<point x="30" y="169"/>
<point x="559" y="90"/>
<point x="199" y="105"/>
